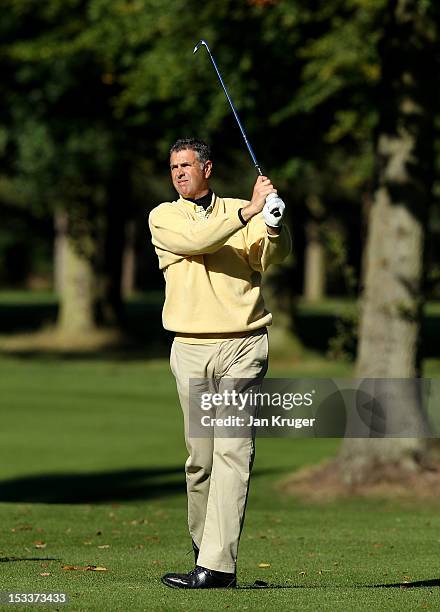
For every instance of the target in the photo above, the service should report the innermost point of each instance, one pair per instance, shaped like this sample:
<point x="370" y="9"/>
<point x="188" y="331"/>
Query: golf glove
<point x="273" y="210"/>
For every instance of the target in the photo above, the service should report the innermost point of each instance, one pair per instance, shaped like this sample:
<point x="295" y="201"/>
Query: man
<point x="212" y="252"/>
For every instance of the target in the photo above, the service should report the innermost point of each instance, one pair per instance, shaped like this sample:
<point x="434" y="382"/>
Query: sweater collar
<point x="206" y="202"/>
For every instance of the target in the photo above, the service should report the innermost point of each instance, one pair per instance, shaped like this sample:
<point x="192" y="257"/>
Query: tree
<point x="64" y="151"/>
<point x="108" y="77"/>
<point x="332" y="107"/>
<point x="371" y="65"/>
<point x="395" y="260"/>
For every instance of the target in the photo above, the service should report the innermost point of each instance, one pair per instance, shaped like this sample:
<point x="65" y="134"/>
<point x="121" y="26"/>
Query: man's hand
<point x="262" y="188"/>
<point x="273" y="211"/>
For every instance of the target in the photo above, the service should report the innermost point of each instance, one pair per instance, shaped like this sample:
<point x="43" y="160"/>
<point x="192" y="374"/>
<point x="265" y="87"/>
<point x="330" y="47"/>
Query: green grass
<point x="102" y="442"/>
<point x="325" y="558"/>
<point x="91" y="465"/>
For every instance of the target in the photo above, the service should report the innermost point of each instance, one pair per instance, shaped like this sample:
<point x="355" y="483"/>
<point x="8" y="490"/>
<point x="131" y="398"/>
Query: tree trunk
<point x="392" y="299"/>
<point x="129" y="260"/>
<point x="77" y="304"/>
<point x="77" y="312"/>
<point x="314" y="264"/>
<point x="59" y="249"/>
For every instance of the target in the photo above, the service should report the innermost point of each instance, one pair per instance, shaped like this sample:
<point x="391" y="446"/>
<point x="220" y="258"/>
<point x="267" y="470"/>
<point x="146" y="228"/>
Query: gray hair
<point x="200" y="147"/>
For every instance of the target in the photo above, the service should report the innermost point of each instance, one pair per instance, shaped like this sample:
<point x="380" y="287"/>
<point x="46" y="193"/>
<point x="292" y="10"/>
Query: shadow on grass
<point x="123" y="485"/>
<point x="434" y="582"/>
<point x="99" y="487"/>
<point x="131" y="353"/>
<point x="259" y="584"/>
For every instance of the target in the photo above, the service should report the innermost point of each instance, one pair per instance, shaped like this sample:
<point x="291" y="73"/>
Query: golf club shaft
<point x="237" y="118"/>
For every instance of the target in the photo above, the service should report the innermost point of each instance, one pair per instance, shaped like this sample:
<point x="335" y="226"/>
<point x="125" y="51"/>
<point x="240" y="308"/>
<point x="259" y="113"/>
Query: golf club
<point x="203" y="43"/>
<point x="237" y="118"/>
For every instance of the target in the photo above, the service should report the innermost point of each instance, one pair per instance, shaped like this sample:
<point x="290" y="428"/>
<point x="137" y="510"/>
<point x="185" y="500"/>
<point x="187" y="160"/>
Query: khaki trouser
<point x="218" y="469"/>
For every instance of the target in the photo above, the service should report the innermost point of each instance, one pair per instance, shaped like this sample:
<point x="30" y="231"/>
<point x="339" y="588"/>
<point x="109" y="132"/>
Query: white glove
<point x="273" y="210"/>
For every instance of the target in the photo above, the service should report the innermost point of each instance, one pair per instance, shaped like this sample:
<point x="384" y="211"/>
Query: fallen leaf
<point x="96" y="568"/>
<point x="70" y="567"/>
<point x="152" y="538"/>
<point x="44" y="573"/>
<point x="104" y="546"/>
<point x="138" y="522"/>
<point x="378" y="545"/>
<point x="40" y="544"/>
<point x="264" y="565"/>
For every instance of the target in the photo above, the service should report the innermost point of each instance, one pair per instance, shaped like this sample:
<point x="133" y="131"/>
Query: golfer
<point x="212" y="251"/>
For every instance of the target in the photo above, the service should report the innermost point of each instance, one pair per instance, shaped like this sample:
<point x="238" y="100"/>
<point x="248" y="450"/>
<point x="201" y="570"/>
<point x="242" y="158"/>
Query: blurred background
<point x="341" y="104"/>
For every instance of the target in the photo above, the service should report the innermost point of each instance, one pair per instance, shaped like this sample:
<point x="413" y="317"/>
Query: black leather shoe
<point x="196" y="551"/>
<point x="200" y="578"/>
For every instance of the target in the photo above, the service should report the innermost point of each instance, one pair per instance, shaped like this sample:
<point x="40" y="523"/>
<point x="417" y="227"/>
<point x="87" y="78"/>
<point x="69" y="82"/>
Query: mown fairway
<point x="92" y="475"/>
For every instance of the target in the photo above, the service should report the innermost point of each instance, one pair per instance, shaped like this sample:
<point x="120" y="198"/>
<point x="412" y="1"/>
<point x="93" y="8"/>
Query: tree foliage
<point x="90" y="85"/>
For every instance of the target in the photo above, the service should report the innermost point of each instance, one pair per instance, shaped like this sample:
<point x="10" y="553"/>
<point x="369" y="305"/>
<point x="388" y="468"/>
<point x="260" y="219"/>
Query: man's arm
<point x="268" y="240"/>
<point x="266" y="248"/>
<point x="172" y="231"/>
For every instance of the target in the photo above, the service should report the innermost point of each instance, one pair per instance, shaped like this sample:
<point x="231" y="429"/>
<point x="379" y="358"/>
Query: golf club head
<point x="201" y="43"/>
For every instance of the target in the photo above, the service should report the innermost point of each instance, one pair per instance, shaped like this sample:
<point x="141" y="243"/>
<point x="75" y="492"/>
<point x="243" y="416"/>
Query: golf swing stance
<point x="213" y="251"/>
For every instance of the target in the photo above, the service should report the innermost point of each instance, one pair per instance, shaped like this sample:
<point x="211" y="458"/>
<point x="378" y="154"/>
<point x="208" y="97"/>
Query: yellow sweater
<point x="212" y="266"/>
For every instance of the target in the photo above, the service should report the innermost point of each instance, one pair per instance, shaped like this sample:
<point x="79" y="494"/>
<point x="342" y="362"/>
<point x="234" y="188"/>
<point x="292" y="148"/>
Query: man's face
<point x="189" y="176"/>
